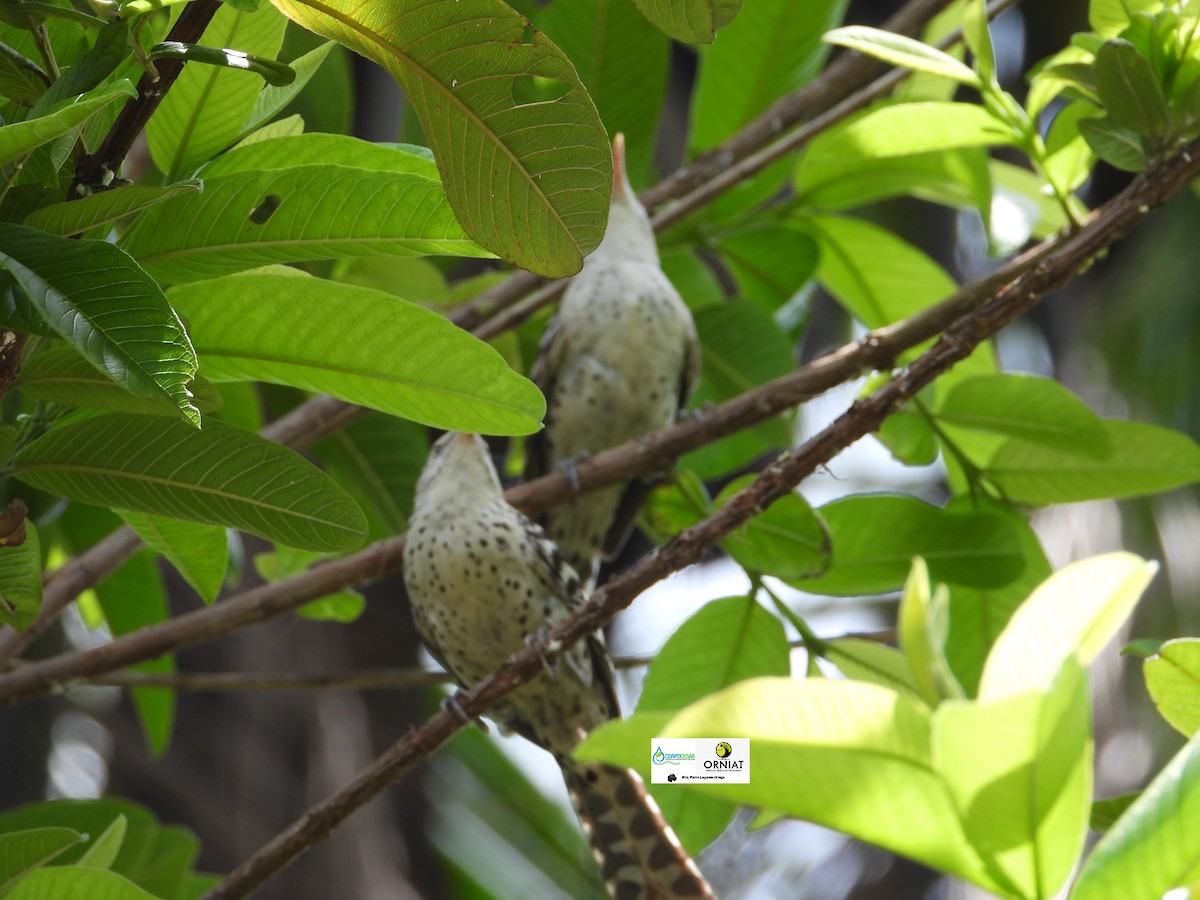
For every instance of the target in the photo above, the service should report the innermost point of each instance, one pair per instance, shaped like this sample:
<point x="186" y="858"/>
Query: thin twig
<point x="1064" y="260"/>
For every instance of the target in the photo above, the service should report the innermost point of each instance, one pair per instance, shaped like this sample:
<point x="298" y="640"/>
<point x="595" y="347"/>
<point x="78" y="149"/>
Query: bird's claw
<point x="451" y="705"/>
<point x="570" y="469"/>
<point x="547" y="649"/>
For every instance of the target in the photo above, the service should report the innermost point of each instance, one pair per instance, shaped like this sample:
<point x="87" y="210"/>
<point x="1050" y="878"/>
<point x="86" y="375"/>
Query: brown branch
<point x="1030" y="276"/>
<point x="493" y="312"/>
<point x="134" y="115"/>
<point x="1057" y="266"/>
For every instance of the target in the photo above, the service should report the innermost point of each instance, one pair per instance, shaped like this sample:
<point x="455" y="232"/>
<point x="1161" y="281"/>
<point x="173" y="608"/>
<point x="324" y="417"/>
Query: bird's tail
<point x="639" y="855"/>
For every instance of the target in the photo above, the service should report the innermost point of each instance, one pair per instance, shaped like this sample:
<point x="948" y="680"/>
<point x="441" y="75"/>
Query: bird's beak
<point x="621" y="190"/>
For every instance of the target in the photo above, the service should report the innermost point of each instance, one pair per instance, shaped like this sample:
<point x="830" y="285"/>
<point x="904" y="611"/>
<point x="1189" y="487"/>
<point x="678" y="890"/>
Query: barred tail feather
<point x="639" y="855"/>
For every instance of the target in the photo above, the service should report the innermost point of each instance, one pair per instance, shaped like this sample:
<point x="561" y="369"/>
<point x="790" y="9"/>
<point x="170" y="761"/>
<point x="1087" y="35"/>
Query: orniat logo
<point x="724" y="750"/>
<point x="659" y="758"/>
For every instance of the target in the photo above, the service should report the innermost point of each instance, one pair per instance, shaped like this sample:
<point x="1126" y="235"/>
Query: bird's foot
<point x="570" y="469"/>
<point x="451" y="705"/>
<point x="547" y="649"/>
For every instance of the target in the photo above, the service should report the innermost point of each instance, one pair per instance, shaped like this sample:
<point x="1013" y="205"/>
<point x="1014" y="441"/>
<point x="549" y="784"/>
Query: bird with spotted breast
<point x="483" y="580"/>
<point x="618" y="360"/>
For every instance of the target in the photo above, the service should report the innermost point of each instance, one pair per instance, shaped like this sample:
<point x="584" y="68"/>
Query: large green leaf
<point x="103" y="208"/>
<point x="528" y="180"/>
<point x="21" y="138"/>
<point x="786" y="540"/>
<point x="875" y="538"/>
<point x="1173" y="680"/>
<point x="1020" y="772"/>
<point x="726" y="641"/>
<point x="103" y="303"/>
<point x="768" y="51"/>
<point x="21" y="580"/>
<point x="1144" y="459"/>
<point x="287" y="151"/>
<point x="1037" y="410"/>
<point x="77" y="883"/>
<point x="1073" y="614"/>
<point x="690" y="21"/>
<point x="769" y="261"/>
<point x="207" y="107"/>
<point x="854" y="757"/>
<point x="23" y="851"/>
<point x="301" y="213"/>
<point x="1129" y="89"/>
<point x="60" y="375"/>
<point x="358" y="344"/>
<point x="199" y="552"/>
<point x="1152" y="848"/>
<point x="623" y="62"/>
<point x="903" y="51"/>
<point x="220" y="475"/>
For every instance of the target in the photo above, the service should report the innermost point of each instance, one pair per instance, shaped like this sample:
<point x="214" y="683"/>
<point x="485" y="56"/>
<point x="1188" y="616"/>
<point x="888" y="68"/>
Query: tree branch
<point x="492" y="311"/>
<point x="1056" y="267"/>
<point x="1029" y="277"/>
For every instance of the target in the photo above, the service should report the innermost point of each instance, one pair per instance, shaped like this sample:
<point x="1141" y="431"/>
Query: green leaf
<point x="874" y="663"/>
<point x="1129" y="89"/>
<point x="1115" y="145"/>
<point x="1110" y="17"/>
<point x="221" y="475"/>
<point x="1069" y="159"/>
<point x="875" y="538"/>
<point x="623" y="62"/>
<point x="96" y="297"/>
<point x="741" y="346"/>
<point x="1073" y="614"/>
<point x="104" y="207"/>
<point x="60" y="375"/>
<point x="24" y="851"/>
<point x="1152" y="847"/>
<point x="850" y="756"/>
<point x="306" y="212"/>
<point x="199" y="552"/>
<point x="922" y="625"/>
<point x="786" y="540"/>
<point x="690" y="21"/>
<point x="21" y="581"/>
<point x="378" y="459"/>
<point x="271" y="71"/>
<point x="768" y="51"/>
<point x="770" y="262"/>
<point x="458" y="64"/>
<point x="343" y="607"/>
<point x="274" y="98"/>
<point x="675" y="505"/>
<point x="975" y="33"/>
<point x="22" y="138"/>
<point x="1020" y="771"/>
<point x="1173" y="680"/>
<point x="724" y="642"/>
<point x="207" y="106"/>
<point x="357" y="344"/>
<point x="318" y="149"/>
<point x="102" y="852"/>
<point x="77" y="883"/>
<point x="909" y="438"/>
<point x="899" y="50"/>
<point x="979" y="615"/>
<point x="21" y="79"/>
<point x="1107" y="811"/>
<point x="1145" y="459"/>
<point x="1037" y="410"/>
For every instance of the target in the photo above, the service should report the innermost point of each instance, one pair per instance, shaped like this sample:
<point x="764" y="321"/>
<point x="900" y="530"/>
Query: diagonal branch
<point x="1027" y="278"/>
<point x="490" y="314"/>
<point x="1062" y="262"/>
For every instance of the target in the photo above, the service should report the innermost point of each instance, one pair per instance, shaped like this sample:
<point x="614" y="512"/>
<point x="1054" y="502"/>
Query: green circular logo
<point x="723" y="749"/>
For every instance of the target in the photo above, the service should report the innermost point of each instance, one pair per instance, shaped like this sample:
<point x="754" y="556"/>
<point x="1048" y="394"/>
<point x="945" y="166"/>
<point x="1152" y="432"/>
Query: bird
<point x="618" y="360"/>
<point x="484" y="580"/>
